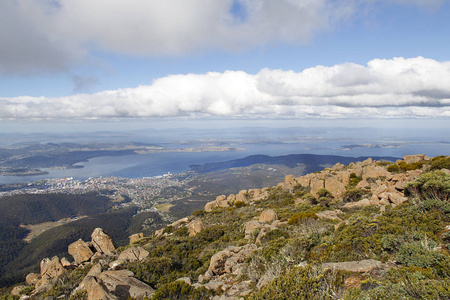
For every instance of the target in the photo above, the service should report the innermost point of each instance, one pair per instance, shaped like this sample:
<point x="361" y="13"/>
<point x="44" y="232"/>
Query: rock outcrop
<point x="195" y="227"/>
<point x="136" y="237"/>
<point x="134" y="254"/>
<point x="102" y="242"/>
<point x="80" y="251"/>
<point x="227" y="261"/>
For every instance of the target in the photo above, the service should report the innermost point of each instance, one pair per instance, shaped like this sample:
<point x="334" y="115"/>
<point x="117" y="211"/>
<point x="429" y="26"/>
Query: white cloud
<point x="399" y="87"/>
<point x="55" y="35"/>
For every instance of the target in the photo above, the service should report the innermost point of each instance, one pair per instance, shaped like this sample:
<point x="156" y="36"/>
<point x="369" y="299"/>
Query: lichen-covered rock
<point x="290" y="179"/>
<point x="80" y="251"/>
<point x="366" y="265"/>
<point x="375" y="173"/>
<point x="268" y="216"/>
<point x="102" y="242"/>
<point x="224" y="261"/>
<point x="330" y="214"/>
<point x="210" y="205"/>
<point x="96" y="290"/>
<point x="251" y="226"/>
<point x="195" y="227"/>
<point x="50" y="270"/>
<point x="335" y="187"/>
<point x="32" y="278"/>
<point x="134" y="254"/>
<point x="136" y="237"/>
<point x="409" y="159"/>
<point x="123" y="285"/>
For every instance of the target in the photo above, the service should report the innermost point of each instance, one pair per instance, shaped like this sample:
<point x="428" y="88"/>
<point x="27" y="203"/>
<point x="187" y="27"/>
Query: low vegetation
<point x="410" y="241"/>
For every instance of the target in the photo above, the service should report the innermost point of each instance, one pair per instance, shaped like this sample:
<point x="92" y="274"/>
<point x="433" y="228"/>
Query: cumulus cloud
<point x="395" y="88"/>
<point x="54" y="35"/>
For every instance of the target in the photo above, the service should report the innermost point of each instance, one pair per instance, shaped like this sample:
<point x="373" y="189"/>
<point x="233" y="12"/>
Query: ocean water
<point x="148" y="165"/>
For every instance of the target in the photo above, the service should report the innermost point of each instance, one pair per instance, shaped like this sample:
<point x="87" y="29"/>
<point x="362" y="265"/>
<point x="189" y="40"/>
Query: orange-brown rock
<point x="136" y="237"/>
<point x="335" y="187"/>
<point x="102" y="242"/>
<point x="32" y="278"/>
<point x="96" y="290"/>
<point x="409" y="159"/>
<point x="316" y="184"/>
<point x="50" y="270"/>
<point x="268" y="216"/>
<point x="80" y="251"/>
<point x="225" y="260"/>
<point x="290" y="179"/>
<point x="375" y="173"/>
<point x="134" y="254"/>
<point x="122" y="284"/>
<point x="195" y="227"/>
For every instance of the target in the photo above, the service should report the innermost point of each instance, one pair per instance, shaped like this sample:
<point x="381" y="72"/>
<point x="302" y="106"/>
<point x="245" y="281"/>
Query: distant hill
<point x="312" y="162"/>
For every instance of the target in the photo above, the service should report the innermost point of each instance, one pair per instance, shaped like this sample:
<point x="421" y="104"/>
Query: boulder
<point x="363" y="184"/>
<point x="102" y="242"/>
<point x="345" y="177"/>
<point x="316" y="184"/>
<point x="360" y="203"/>
<point x="136" y="237"/>
<point x="96" y="290"/>
<point x="337" y="167"/>
<point x="241" y="289"/>
<point x="366" y="265"/>
<point x="231" y="198"/>
<point x="179" y="223"/>
<point x="195" y="227"/>
<point x="185" y="279"/>
<point x="17" y="289"/>
<point x="134" y="254"/>
<point x="268" y="216"/>
<point x="251" y="226"/>
<point x="210" y="205"/>
<point x="409" y="159"/>
<point x="304" y="180"/>
<point x="51" y="268"/>
<point x="224" y="261"/>
<point x="375" y="173"/>
<point x="335" y="187"/>
<point x="290" y="179"/>
<point x="397" y="198"/>
<point x="379" y="190"/>
<point x="242" y="196"/>
<point x="123" y="285"/>
<point x="330" y="214"/>
<point x="65" y="262"/>
<point x="32" y="278"/>
<point x="80" y="251"/>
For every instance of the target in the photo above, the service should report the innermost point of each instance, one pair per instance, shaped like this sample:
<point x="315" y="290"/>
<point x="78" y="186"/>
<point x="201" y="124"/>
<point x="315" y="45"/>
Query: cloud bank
<point x="396" y="88"/>
<point x="56" y="35"/>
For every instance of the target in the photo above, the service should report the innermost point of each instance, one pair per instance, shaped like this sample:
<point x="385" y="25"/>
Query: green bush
<point x="198" y="213"/>
<point x="300" y="217"/>
<point x="324" y="193"/>
<point x="440" y="162"/>
<point x="302" y="283"/>
<point x="352" y="194"/>
<point x="239" y="204"/>
<point x="354" y="180"/>
<point x="393" y="168"/>
<point x="431" y="185"/>
<point x="180" y="290"/>
<point x="418" y="254"/>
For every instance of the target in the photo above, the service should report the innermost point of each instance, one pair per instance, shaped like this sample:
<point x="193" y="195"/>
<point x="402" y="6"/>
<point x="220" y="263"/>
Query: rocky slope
<point x="352" y="232"/>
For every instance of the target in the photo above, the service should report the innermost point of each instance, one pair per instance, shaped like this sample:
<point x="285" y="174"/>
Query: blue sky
<point x="284" y="59"/>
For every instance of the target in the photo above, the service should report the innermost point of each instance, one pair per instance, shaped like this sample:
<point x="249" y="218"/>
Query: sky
<point x="297" y="60"/>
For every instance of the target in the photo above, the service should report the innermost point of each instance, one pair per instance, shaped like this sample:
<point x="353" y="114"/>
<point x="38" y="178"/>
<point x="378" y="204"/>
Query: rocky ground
<point x="246" y="245"/>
